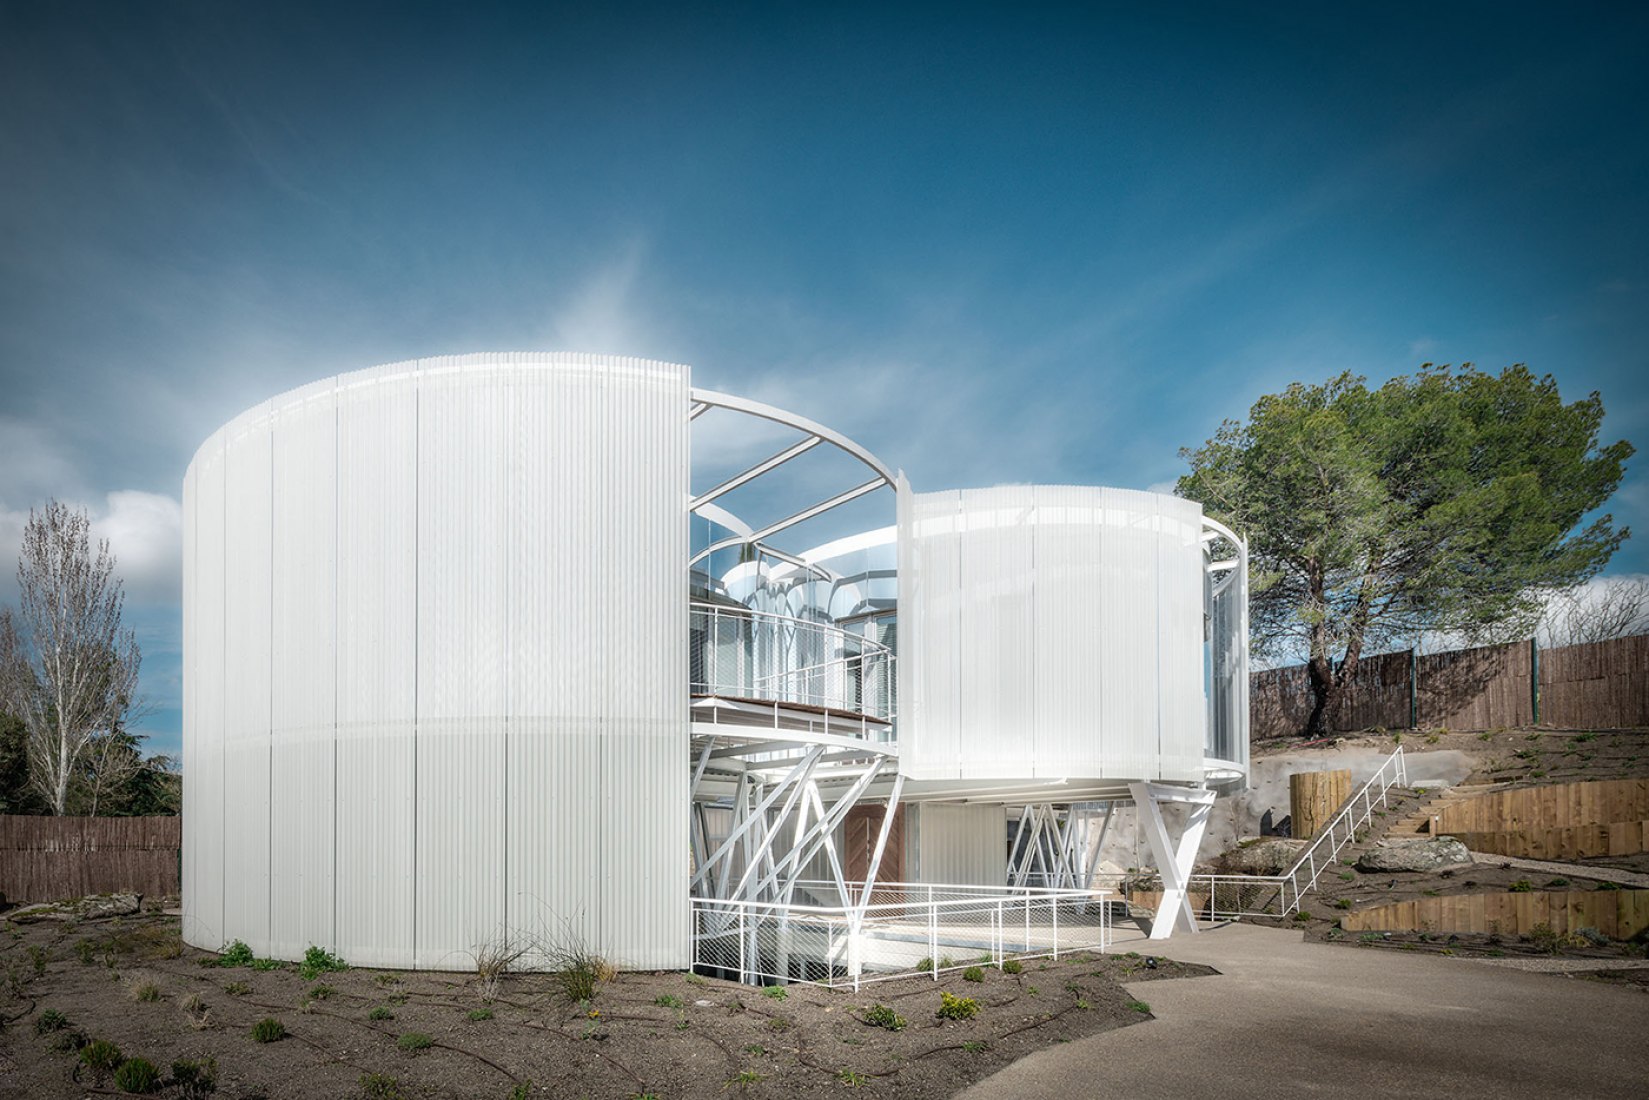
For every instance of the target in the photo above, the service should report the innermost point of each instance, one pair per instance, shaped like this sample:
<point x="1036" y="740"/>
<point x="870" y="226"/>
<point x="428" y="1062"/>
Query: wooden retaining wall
<point x="55" y="858"/>
<point x="1619" y="838"/>
<point x="1555" y="806"/>
<point x="1619" y="914"/>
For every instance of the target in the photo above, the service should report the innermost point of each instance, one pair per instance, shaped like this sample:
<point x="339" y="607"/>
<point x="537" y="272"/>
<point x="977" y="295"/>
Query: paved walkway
<point x="1287" y="1018"/>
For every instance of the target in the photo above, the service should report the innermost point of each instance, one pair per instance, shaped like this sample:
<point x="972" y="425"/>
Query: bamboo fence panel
<point x="56" y="858"/>
<point x="1476" y="689"/>
<point x="1600" y="685"/>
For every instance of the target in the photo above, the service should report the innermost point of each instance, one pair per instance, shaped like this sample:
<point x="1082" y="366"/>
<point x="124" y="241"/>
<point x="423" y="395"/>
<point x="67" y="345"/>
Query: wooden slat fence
<point x="1619" y="914"/>
<point x="55" y="858"/>
<point x="1600" y="685"/>
<point x="1604" y="685"/>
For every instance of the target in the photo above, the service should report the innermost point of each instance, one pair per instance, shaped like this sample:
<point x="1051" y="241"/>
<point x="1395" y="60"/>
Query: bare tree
<point x="67" y="667"/>
<point x="1610" y="607"/>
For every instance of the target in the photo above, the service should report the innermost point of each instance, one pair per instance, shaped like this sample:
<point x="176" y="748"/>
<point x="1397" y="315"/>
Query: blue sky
<point x="1015" y="244"/>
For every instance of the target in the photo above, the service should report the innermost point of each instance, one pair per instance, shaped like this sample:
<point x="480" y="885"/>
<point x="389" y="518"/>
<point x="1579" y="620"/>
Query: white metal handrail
<point x="1228" y="897"/>
<point x="850" y="945"/>
<point x="746" y="654"/>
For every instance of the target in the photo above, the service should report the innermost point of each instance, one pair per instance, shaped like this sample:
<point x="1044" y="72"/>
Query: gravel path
<point x="1574" y="870"/>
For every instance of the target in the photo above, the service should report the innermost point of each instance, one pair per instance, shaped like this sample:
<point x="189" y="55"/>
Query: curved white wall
<point x="435" y="663"/>
<point x="1050" y="633"/>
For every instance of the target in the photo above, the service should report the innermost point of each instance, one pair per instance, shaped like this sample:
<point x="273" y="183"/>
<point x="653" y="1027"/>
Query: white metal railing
<point x="902" y="929"/>
<point x="745" y="654"/>
<point x="1229" y="897"/>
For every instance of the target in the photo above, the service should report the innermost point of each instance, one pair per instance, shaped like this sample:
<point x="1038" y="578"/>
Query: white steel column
<point x="1174" y="860"/>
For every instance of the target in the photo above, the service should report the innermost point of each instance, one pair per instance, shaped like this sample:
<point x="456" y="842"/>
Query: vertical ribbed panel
<point x="377" y="664"/>
<point x="1050" y="632"/>
<point x="248" y="629"/>
<point x="303" y="708"/>
<point x="960" y="845"/>
<point x="453" y="670"/>
<point x="462" y="589"/>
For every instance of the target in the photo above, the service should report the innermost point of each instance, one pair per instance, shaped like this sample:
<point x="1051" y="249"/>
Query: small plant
<point x="956" y="1008"/>
<point x="756" y="1049"/>
<point x="852" y="1080"/>
<point x="1608" y="886"/>
<point x="267" y="964"/>
<point x="778" y="1023"/>
<point x="1592" y="936"/>
<point x="1032" y="991"/>
<point x="776" y="992"/>
<point x="884" y="1017"/>
<point x="317" y="961"/>
<point x="1521" y="886"/>
<point x="195" y="1011"/>
<point x="414" y="1040"/>
<point x="668" y="1001"/>
<point x="924" y="965"/>
<point x="1396" y="737"/>
<point x="743" y="1079"/>
<point x="1544" y="938"/>
<point x="101" y="1057"/>
<point x="945" y="962"/>
<point x="195" y="1080"/>
<point x="320" y="993"/>
<point x="384" y="981"/>
<point x="1485" y="736"/>
<point x="1082" y="1004"/>
<point x="1347" y="876"/>
<point x="137" y="1075"/>
<point x="380" y="1086"/>
<point x="237" y="989"/>
<point x="578" y="974"/>
<point x="524" y="1090"/>
<point x="235" y="953"/>
<point x="1012" y="966"/>
<point x="1140" y="1006"/>
<point x="1342" y="903"/>
<point x="268" y="1030"/>
<point x="975" y="1046"/>
<point x="1430" y="894"/>
<point x="86" y="952"/>
<point x="694" y="979"/>
<point x="973" y="974"/>
<point x="50" y="1020"/>
<point x="1558" y="882"/>
<point x="478" y="1014"/>
<point x="380" y="1013"/>
<point x="1301" y="914"/>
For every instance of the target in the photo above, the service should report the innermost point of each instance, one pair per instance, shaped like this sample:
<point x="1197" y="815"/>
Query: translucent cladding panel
<point x="929" y="602"/>
<point x="1125" y="601"/>
<point x="304" y="684"/>
<point x="377" y="662"/>
<point x="997" y="570"/>
<point x="464" y="454"/>
<point x="1183" y="704"/>
<point x="964" y="845"/>
<point x="1070" y="633"/>
<point x="597" y="808"/>
<point x="248" y="581"/>
<point x="209" y="691"/>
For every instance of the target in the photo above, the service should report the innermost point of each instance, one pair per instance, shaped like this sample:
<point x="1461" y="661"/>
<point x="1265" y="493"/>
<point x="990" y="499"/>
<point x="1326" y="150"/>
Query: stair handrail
<point x="1398" y="775"/>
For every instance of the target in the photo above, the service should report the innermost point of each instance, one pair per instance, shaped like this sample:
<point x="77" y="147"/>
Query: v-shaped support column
<point x="1174" y="860"/>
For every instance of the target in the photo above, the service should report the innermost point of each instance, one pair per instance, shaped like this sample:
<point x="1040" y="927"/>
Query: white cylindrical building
<point x="435" y="639"/>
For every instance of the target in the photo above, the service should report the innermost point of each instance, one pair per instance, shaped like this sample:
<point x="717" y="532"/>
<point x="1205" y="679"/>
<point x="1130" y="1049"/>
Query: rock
<point x="1271" y="856"/>
<point x="1427" y="854"/>
<point x="96" y="907"/>
<point x="104" y="906"/>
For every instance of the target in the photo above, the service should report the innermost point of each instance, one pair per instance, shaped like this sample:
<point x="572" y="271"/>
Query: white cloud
<point x="145" y="534"/>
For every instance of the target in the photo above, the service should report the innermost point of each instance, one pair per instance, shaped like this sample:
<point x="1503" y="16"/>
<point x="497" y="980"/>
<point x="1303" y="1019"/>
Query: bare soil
<point x="132" y="982"/>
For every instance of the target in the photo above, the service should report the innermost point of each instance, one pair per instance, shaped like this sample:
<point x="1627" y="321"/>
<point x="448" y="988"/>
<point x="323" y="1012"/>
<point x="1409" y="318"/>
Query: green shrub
<point x="1608" y="886"/>
<point x="235" y="953"/>
<point x="101" y="1057"/>
<point x="523" y="1091"/>
<point x="380" y="1013"/>
<point x="147" y="992"/>
<point x="1558" y="882"/>
<point x="1140" y="1007"/>
<point x="1012" y="966"/>
<point x="973" y="974"/>
<point x="195" y="1080"/>
<point x="924" y="965"/>
<point x="884" y="1017"/>
<point x="380" y="1086"/>
<point x="976" y="1046"/>
<point x="414" y="1040"/>
<point x="479" y="1014"/>
<point x="1521" y="886"/>
<point x="317" y="962"/>
<point x="50" y="1020"/>
<point x="956" y="1008"/>
<point x="267" y="964"/>
<point x="852" y="1080"/>
<point x="578" y="974"/>
<point x="268" y="1030"/>
<point x="321" y="992"/>
<point x="1342" y="903"/>
<point x="137" y="1075"/>
<point x="776" y="992"/>
<point x="667" y="1001"/>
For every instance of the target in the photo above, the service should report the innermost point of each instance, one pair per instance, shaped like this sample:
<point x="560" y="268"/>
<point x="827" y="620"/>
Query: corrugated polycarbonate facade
<point x="1050" y="632"/>
<point x="435" y="635"/>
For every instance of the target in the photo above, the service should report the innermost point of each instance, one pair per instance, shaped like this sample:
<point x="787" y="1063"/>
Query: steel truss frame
<point x="1058" y="844"/>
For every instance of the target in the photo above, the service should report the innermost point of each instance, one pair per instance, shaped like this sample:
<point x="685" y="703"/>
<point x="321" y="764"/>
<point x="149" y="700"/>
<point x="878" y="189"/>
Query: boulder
<point x="1421" y="855"/>
<point x="96" y="907"/>
<point x="1270" y="856"/>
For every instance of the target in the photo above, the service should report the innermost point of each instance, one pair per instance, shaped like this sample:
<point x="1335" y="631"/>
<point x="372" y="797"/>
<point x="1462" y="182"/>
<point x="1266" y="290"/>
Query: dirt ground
<point x="132" y="982"/>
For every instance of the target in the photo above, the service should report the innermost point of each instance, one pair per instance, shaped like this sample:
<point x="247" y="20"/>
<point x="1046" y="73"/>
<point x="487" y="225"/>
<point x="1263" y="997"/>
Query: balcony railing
<point x="743" y="654"/>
